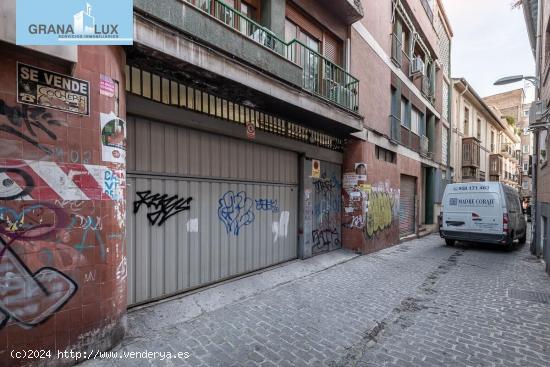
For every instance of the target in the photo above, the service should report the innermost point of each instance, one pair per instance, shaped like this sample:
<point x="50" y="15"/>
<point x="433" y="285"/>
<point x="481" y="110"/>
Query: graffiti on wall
<point x="164" y="206"/>
<point x="267" y="205"/>
<point x="326" y="213"/>
<point x="371" y="208"/>
<point x="25" y="122"/>
<point x="235" y="211"/>
<point x="324" y="239"/>
<point x="30" y="298"/>
<point x="49" y="225"/>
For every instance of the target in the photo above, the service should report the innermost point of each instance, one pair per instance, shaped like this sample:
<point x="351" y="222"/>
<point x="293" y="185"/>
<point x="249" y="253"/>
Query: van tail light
<point x="505" y="222"/>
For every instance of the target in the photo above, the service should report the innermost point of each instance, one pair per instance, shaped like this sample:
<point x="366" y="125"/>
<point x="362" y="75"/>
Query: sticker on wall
<point x="39" y="87"/>
<point x="315" y="168"/>
<point x="113" y="138"/>
<point x="250" y="130"/>
<point x="106" y="86"/>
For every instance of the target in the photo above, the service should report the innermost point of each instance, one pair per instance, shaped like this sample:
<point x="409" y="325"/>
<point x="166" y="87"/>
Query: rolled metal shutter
<point x="235" y="208"/>
<point x="407" y="206"/>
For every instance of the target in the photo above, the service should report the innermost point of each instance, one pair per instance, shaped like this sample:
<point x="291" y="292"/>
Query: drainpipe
<point x="466" y="88"/>
<point x="534" y="218"/>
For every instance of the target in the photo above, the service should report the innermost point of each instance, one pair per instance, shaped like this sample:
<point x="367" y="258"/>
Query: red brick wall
<point x="379" y="197"/>
<point x="62" y="213"/>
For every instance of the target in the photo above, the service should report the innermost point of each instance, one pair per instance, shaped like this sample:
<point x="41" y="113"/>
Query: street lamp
<point x="535" y="81"/>
<point x="517" y="78"/>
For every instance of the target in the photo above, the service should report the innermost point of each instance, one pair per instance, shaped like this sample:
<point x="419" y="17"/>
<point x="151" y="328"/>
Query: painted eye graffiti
<point x="14" y="183"/>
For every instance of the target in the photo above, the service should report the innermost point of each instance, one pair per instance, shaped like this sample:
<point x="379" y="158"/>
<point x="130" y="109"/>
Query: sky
<point x="490" y="41"/>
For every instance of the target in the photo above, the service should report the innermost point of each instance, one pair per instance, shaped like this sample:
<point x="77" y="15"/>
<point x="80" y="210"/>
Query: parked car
<point x="487" y="212"/>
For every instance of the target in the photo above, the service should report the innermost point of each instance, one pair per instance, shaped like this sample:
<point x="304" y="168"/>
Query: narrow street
<point x="420" y="303"/>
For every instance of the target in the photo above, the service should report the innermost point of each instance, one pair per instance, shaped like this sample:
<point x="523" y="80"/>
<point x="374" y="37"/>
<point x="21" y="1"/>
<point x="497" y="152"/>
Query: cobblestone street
<point x="420" y="303"/>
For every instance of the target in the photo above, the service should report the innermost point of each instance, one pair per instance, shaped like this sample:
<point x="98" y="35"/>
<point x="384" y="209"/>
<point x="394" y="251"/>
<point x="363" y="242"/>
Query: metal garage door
<point x="203" y="207"/>
<point x="407" y="205"/>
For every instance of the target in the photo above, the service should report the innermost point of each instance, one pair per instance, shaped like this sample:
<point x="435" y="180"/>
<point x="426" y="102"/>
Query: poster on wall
<point x="106" y="86"/>
<point x="315" y="168"/>
<point x="113" y="138"/>
<point x="39" y="87"/>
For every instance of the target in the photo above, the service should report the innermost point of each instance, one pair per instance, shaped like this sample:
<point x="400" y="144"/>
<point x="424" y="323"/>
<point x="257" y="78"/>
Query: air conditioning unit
<point x="536" y="111"/>
<point x="417" y="66"/>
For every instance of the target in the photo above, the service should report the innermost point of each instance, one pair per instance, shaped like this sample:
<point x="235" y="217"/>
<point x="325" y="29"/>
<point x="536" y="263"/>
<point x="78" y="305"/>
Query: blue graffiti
<point x="267" y="204"/>
<point x="235" y="211"/>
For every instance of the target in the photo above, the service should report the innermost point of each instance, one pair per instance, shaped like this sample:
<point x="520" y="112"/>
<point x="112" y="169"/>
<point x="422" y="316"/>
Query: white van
<point x="488" y="212"/>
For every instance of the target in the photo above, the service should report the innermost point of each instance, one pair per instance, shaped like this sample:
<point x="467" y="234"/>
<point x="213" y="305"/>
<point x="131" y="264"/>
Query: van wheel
<point x="450" y="242"/>
<point x="523" y="238"/>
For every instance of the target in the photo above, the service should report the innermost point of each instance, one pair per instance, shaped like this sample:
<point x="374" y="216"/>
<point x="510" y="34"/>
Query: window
<point x="526" y="113"/>
<point x="405" y="115"/>
<point x="525" y="167"/>
<point x="415" y="121"/>
<point x="492" y="141"/>
<point x="384" y="154"/>
<point x="479" y="129"/>
<point x="525" y="185"/>
<point x="443" y="175"/>
<point x="526" y="149"/>
<point x="466" y="121"/>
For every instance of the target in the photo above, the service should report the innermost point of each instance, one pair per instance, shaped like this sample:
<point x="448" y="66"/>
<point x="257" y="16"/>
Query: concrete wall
<point x="62" y="216"/>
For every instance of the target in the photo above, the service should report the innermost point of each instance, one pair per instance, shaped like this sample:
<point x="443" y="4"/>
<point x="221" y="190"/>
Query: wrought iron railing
<point x="428" y="9"/>
<point x="320" y="75"/>
<point x="395" y="128"/>
<point x="323" y="77"/>
<point x="424" y="145"/>
<point x="396" y="46"/>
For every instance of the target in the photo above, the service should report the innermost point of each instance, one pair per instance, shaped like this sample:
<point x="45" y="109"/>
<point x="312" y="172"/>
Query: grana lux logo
<point x="83" y="26"/>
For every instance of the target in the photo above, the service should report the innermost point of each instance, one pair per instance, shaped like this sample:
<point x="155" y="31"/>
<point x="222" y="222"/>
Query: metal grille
<point x="170" y="92"/>
<point x="407" y="205"/>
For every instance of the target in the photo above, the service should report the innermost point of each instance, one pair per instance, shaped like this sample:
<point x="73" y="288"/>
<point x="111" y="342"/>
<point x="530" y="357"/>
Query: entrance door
<point x="327" y="204"/>
<point x="407" y="206"/>
<point x="204" y="207"/>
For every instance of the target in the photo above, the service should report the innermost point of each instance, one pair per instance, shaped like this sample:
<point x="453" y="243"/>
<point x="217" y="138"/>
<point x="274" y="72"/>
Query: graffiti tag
<point x="165" y="206"/>
<point x="30" y="118"/>
<point x="267" y="205"/>
<point x="235" y="211"/>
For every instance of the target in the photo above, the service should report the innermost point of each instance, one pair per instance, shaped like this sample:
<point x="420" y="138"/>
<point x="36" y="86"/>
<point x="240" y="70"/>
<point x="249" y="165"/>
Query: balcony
<point x="470" y="152"/>
<point x="426" y="87"/>
<point x="349" y="11"/>
<point x="324" y="78"/>
<point x="506" y="150"/>
<point x="395" y="129"/>
<point x="425" y="146"/>
<point x="319" y="75"/>
<point x="496" y="164"/>
<point x="428" y="9"/>
<point x="396" y="49"/>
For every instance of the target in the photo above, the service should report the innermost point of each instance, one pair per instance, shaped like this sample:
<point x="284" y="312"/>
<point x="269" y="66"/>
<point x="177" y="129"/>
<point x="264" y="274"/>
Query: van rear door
<point x="467" y="211"/>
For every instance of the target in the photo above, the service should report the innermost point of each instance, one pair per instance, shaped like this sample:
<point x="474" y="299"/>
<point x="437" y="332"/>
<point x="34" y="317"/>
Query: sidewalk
<point x="409" y="305"/>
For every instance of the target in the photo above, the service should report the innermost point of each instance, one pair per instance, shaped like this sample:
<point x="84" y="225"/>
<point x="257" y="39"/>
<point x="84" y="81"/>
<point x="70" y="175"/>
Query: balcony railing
<point x="495" y="165"/>
<point x="396" y="49"/>
<point x="424" y="146"/>
<point x="395" y="129"/>
<point x="506" y="149"/>
<point x="428" y="9"/>
<point x="426" y="87"/>
<point x="323" y="77"/>
<point x="470" y="152"/>
<point x="320" y="76"/>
